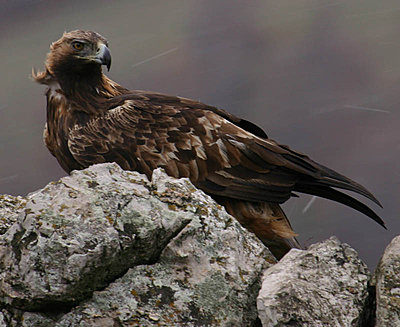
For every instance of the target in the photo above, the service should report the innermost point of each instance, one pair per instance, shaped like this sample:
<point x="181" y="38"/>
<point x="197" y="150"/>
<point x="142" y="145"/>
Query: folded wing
<point x="221" y="154"/>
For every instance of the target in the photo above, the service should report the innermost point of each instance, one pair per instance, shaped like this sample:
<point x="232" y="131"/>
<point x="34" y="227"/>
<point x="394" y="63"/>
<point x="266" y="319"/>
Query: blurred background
<point x="319" y="75"/>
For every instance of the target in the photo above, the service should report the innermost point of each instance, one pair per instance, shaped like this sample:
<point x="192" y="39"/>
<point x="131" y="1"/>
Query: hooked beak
<point x="103" y="56"/>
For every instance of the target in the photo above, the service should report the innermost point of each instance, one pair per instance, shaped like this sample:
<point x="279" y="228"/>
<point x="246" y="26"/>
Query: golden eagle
<point x="91" y="119"/>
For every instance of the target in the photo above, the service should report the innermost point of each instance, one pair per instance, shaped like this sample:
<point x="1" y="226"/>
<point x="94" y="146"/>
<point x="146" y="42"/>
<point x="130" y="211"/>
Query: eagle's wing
<point x="221" y="154"/>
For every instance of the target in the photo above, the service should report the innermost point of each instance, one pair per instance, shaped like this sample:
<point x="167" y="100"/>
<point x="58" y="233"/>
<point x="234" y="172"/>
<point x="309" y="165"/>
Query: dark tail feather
<point x="321" y="175"/>
<point x="334" y="179"/>
<point x="334" y="195"/>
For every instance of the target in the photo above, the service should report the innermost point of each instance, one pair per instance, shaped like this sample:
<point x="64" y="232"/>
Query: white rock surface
<point x="325" y="285"/>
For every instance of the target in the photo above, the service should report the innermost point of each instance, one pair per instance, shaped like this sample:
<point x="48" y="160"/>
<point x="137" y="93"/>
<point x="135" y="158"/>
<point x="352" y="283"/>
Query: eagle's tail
<point x="268" y="221"/>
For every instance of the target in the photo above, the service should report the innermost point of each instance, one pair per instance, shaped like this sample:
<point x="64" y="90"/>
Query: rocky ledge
<point x="107" y="247"/>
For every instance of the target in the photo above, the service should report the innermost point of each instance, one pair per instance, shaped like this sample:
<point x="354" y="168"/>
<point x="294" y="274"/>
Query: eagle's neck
<point x="85" y="91"/>
<point x="89" y="92"/>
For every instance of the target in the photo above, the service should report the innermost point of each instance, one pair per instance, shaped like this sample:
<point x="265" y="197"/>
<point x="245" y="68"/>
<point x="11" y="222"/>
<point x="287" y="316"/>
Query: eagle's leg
<point x="267" y="220"/>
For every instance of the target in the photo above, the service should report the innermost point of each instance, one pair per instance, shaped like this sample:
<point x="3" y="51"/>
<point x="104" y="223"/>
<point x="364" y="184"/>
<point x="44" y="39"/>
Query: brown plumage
<point x="91" y="119"/>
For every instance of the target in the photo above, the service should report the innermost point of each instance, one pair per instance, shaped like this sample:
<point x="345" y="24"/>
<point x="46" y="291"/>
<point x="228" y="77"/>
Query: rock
<point x="106" y="247"/>
<point x="387" y="279"/>
<point x="325" y="285"/>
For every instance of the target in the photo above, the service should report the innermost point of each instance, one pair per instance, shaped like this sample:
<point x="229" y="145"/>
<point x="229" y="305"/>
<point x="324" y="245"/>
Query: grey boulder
<point x="325" y="285"/>
<point x="107" y="247"/>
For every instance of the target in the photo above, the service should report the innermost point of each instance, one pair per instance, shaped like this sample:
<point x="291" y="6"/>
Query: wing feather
<point x="220" y="153"/>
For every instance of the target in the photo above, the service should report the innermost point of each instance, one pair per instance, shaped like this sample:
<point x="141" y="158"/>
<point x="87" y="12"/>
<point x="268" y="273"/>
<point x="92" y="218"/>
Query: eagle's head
<point x="77" y="54"/>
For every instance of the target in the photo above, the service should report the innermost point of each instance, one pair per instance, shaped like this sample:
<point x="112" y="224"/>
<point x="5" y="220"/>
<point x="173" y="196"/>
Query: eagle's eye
<point x="77" y="45"/>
